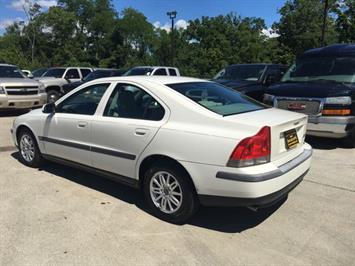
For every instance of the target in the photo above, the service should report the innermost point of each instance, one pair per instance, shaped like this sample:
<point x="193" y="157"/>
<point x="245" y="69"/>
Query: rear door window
<point x="172" y="72"/>
<point x="85" y="72"/>
<point x="160" y="72"/>
<point x="217" y="98"/>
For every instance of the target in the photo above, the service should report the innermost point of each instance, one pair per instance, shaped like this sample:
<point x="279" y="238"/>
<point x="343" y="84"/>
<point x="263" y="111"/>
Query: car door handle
<point x="141" y="131"/>
<point x="82" y="124"/>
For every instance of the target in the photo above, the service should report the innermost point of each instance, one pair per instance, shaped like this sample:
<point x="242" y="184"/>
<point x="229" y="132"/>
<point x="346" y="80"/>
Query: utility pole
<point x="172" y="16"/>
<point x="325" y="15"/>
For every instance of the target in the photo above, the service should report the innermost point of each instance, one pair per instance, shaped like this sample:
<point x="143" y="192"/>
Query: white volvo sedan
<point x="182" y="141"/>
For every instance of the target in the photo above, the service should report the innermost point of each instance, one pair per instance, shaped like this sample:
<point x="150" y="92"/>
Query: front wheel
<point x="30" y="154"/>
<point x="170" y="194"/>
<point x="52" y="96"/>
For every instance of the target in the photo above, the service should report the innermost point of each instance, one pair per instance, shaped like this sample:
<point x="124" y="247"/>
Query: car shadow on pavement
<point x="13" y="113"/>
<point x="325" y="143"/>
<point x="228" y="220"/>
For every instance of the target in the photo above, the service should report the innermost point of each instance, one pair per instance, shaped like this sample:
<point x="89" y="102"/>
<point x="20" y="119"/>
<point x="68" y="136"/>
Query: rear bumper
<point x="332" y="127"/>
<point x="249" y="186"/>
<point x="263" y="201"/>
<point x="22" y="102"/>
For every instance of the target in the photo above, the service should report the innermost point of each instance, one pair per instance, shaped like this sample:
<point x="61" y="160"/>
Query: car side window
<point x="85" y="72"/>
<point x="72" y="74"/>
<point x="129" y="101"/>
<point x="83" y="102"/>
<point x="160" y="72"/>
<point x="172" y="72"/>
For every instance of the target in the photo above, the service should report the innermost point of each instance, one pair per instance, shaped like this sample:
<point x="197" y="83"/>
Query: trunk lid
<point x="279" y="121"/>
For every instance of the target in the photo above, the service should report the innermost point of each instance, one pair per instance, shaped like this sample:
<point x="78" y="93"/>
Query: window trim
<point x="111" y="89"/>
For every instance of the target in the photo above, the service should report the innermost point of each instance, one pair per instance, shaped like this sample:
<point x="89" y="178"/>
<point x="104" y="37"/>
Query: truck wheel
<point x="169" y="193"/>
<point x="52" y="96"/>
<point x="349" y="141"/>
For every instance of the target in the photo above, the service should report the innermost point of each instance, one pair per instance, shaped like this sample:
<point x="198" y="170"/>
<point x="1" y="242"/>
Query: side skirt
<point x="109" y="175"/>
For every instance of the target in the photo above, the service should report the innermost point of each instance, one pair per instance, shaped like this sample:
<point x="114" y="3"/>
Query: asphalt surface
<point x="61" y="216"/>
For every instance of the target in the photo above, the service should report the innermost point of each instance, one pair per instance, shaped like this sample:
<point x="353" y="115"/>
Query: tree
<point x="300" y="26"/>
<point x="345" y="21"/>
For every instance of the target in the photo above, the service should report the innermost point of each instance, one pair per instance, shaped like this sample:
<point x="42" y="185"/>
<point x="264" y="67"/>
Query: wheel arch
<point x="53" y="88"/>
<point x="155" y="158"/>
<point x="21" y="127"/>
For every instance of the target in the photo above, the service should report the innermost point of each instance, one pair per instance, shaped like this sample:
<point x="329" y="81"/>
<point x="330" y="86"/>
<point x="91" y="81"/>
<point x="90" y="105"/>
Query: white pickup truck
<point x="56" y="77"/>
<point x="18" y="91"/>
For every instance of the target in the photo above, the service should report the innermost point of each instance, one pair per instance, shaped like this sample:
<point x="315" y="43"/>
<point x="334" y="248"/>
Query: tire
<point x="349" y="141"/>
<point x="178" y="209"/>
<point x="52" y="96"/>
<point x="30" y="154"/>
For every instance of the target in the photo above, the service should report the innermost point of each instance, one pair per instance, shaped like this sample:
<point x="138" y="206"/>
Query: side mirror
<point x="49" y="108"/>
<point x="270" y="79"/>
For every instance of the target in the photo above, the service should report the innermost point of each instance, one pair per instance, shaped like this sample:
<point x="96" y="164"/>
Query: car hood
<point x="18" y="82"/>
<point x="310" y="89"/>
<point x="236" y="84"/>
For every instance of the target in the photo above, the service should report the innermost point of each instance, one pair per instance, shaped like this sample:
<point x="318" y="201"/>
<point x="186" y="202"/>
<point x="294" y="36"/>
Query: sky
<point x="155" y="10"/>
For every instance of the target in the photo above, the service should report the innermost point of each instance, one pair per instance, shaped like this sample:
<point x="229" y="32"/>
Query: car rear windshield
<point x="54" y="72"/>
<point x="10" y="72"/>
<point x="217" y="98"/>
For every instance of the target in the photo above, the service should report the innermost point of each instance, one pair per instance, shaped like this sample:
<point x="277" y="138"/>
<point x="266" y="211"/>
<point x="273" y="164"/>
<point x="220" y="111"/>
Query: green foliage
<point x="92" y="33"/>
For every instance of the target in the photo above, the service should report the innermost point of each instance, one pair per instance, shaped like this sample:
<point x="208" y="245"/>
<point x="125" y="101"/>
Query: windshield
<point x="10" y="72"/>
<point x="242" y="72"/>
<point x="54" y="72"/>
<point x="101" y="74"/>
<point x="217" y="98"/>
<point x="138" y="71"/>
<point x="334" y="69"/>
<point x="38" y="72"/>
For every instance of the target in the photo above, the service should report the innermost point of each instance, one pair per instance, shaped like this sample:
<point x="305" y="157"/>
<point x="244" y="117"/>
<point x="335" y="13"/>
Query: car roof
<point x="331" y="50"/>
<point x="7" y="65"/>
<point x="256" y="64"/>
<point x="152" y="66"/>
<point x="163" y="80"/>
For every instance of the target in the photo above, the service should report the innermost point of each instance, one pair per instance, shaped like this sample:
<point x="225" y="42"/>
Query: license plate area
<point x="291" y="139"/>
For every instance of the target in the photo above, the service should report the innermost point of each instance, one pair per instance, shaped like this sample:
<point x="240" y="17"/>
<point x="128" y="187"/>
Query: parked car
<point x="250" y="79"/>
<point x="97" y="73"/>
<point x="54" y="79"/>
<point x="153" y="71"/>
<point x="183" y="141"/>
<point x="18" y="91"/>
<point x="27" y="73"/>
<point x="39" y="72"/>
<point x="321" y="84"/>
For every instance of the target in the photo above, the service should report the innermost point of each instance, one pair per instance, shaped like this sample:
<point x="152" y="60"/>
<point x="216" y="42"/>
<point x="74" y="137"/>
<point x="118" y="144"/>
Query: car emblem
<point x="24" y="89"/>
<point x="296" y="106"/>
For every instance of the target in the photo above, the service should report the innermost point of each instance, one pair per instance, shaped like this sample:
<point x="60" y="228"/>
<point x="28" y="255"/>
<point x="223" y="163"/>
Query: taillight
<point x="252" y="150"/>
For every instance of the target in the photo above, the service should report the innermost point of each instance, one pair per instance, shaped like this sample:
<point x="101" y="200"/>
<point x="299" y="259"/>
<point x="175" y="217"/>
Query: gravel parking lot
<point x="59" y="215"/>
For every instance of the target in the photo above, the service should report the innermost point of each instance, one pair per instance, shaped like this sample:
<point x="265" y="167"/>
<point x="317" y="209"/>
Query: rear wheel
<point x="170" y="194"/>
<point x="30" y="154"/>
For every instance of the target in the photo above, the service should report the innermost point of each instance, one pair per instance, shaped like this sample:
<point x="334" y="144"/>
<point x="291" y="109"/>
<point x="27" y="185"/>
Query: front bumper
<point x="22" y="102"/>
<point x="249" y="186"/>
<point x="332" y="126"/>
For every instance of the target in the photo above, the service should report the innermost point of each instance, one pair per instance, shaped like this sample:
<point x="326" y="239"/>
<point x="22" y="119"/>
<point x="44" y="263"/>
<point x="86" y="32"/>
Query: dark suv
<point x="321" y="84"/>
<point x="250" y="79"/>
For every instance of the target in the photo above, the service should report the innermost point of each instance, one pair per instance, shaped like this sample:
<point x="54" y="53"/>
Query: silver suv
<point x="54" y="79"/>
<point x="18" y="91"/>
